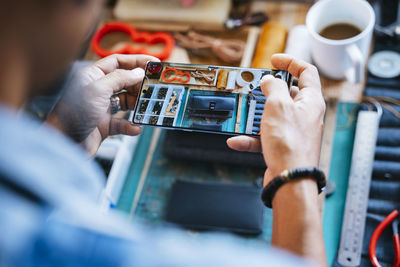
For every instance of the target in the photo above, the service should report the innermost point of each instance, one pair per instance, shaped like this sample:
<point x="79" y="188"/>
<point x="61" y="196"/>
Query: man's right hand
<point x="291" y="133"/>
<point x="292" y="123"/>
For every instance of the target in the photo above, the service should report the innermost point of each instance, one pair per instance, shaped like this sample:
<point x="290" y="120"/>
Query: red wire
<point x="375" y="236"/>
<point x="396" y="241"/>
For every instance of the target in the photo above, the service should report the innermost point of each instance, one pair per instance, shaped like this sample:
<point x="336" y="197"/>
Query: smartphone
<point x="203" y="98"/>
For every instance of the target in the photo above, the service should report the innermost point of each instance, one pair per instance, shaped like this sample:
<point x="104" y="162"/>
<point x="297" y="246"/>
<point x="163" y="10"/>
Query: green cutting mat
<point x="163" y="171"/>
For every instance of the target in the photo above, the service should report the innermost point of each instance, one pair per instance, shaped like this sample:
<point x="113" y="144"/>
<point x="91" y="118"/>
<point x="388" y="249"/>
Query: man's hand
<point x="291" y="133"/>
<point x="292" y="123"/>
<point x="83" y="113"/>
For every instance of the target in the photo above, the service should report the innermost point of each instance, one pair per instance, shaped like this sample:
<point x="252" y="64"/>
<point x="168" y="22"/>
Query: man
<point x="49" y="188"/>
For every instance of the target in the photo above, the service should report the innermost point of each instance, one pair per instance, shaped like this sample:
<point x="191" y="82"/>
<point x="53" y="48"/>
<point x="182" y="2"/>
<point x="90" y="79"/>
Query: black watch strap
<point x="270" y="189"/>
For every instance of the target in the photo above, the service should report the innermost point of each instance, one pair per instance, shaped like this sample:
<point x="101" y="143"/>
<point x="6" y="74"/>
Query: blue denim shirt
<point x="49" y="215"/>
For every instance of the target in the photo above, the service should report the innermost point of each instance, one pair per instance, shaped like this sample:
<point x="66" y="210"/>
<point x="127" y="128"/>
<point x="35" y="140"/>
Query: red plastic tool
<point x="179" y="76"/>
<point x="391" y="218"/>
<point x="136" y="37"/>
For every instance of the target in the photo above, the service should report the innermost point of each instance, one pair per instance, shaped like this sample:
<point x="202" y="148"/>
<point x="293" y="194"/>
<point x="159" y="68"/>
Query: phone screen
<point x="203" y="98"/>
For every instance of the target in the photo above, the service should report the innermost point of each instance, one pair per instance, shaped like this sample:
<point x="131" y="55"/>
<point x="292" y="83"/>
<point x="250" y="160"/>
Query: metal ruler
<point x="358" y="190"/>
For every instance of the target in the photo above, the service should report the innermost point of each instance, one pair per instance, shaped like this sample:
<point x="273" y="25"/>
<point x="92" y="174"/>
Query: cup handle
<point x="356" y="73"/>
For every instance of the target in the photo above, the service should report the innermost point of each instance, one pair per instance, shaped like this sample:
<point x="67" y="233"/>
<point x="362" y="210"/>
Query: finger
<point x="131" y="102"/>
<point x="295" y="81"/>
<point x="122" y="101"/>
<point x="122" y="126"/>
<point x="305" y="72"/>
<point x="294" y="90"/>
<point x="274" y="88"/>
<point x="127" y="62"/>
<point x="134" y="90"/>
<point x="120" y="79"/>
<point x="130" y="96"/>
<point x="244" y="143"/>
<point x="127" y="101"/>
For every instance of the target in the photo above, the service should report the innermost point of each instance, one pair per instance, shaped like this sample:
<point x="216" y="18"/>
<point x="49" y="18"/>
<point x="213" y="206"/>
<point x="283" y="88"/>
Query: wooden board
<point x="205" y="14"/>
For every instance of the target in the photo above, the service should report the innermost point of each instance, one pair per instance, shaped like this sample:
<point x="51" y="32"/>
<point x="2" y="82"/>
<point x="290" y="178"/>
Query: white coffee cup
<point x="338" y="59"/>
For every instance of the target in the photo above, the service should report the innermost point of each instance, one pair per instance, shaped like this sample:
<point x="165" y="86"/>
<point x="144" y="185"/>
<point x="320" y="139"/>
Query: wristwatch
<point x="270" y="189"/>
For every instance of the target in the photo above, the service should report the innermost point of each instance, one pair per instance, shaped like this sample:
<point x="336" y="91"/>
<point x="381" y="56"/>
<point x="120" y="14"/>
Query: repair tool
<point x="136" y="37"/>
<point x="385" y="64"/>
<point x="231" y="82"/>
<point x="256" y="19"/>
<point x="207" y="77"/>
<point x="390" y="219"/>
<point x="178" y="76"/>
<point x="230" y="51"/>
<point x="256" y="109"/>
<point x="353" y="225"/>
<point x="272" y="40"/>
<point x="257" y="91"/>
<point x="222" y="79"/>
<point x="259" y="106"/>
<point x="392" y="30"/>
<point x="257" y="118"/>
<point x="249" y="79"/>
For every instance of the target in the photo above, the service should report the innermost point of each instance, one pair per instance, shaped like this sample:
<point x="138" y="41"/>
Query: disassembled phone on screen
<point x="203" y="98"/>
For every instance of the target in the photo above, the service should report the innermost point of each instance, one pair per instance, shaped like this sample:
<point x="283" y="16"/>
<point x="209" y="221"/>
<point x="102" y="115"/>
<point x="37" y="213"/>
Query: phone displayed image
<point x="203" y="98"/>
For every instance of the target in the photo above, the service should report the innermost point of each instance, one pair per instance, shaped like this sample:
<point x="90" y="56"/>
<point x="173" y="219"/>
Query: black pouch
<point x="216" y="206"/>
<point x="207" y="126"/>
<point x="212" y="106"/>
<point x="210" y="148"/>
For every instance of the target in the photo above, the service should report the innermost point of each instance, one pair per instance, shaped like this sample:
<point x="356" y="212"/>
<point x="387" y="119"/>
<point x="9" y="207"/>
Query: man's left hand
<point x="83" y="112"/>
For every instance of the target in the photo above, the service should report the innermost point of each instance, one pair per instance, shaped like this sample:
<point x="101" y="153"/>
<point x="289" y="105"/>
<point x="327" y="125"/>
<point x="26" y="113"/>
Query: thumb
<point x="244" y="143"/>
<point x="122" y="126"/>
<point x="273" y="87"/>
